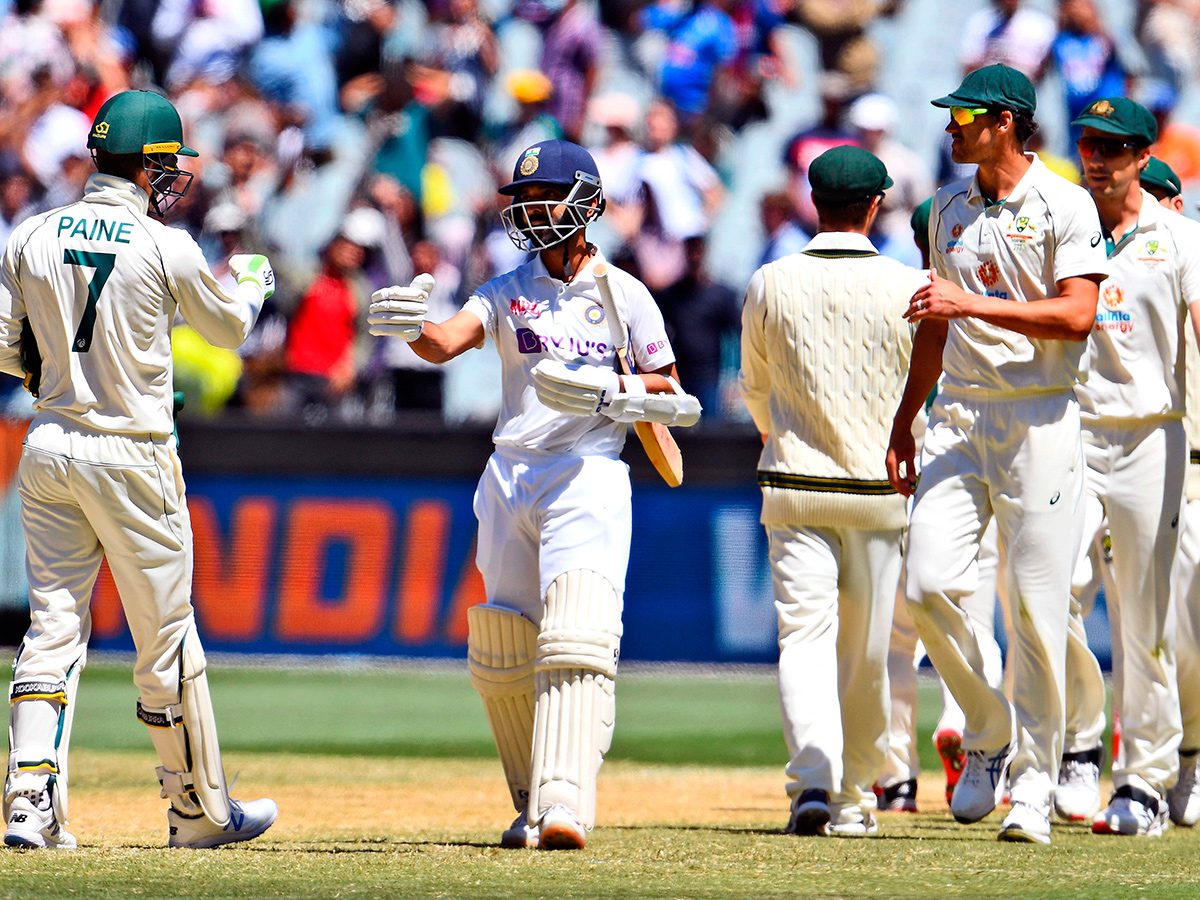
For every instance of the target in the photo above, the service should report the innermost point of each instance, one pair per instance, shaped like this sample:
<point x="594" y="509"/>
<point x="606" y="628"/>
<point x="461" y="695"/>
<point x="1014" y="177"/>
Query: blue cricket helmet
<point x="539" y="224"/>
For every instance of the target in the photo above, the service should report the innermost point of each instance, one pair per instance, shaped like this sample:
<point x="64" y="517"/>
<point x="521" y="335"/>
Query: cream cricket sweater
<point x="825" y="354"/>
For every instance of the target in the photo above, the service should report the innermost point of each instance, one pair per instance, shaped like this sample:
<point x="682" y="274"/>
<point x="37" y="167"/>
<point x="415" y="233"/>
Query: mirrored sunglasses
<point x="1108" y="148"/>
<point x="965" y="115"/>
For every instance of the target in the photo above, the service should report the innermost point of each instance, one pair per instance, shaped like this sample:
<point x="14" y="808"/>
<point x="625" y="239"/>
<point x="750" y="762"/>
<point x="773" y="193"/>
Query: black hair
<point x="1024" y="127"/>
<point x="121" y="165"/>
<point x="838" y="217"/>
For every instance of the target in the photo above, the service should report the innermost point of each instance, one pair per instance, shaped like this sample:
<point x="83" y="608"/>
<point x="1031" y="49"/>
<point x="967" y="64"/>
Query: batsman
<point x="553" y="504"/>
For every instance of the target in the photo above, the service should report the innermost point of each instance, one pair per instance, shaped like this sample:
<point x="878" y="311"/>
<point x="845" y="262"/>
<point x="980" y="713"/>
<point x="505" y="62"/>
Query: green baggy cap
<point x="1158" y="175"/>
<point x="993" y="87"/>
<point x="1122" y="117"/>
<point x="847" y="174"/>
<point x="138" y="122"/>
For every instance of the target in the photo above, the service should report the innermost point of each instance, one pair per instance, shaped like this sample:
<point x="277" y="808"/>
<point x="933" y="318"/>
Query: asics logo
<point x="995" y="767"/>
<point x="1054" y="499"/>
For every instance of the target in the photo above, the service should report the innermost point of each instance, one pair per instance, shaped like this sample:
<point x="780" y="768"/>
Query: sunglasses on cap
<point x="965" y="115"/>
<point x="1108" y="148"/>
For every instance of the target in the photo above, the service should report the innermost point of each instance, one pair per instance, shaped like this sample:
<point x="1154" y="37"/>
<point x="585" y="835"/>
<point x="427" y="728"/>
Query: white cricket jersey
<point x="100" y="282"/>
<point x="531" y="316"/>
<point x="1137" y="352"/>
<point x="1016" y="249"/>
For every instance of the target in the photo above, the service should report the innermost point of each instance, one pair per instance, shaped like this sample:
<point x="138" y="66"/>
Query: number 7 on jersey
<point x="103" y="264"/>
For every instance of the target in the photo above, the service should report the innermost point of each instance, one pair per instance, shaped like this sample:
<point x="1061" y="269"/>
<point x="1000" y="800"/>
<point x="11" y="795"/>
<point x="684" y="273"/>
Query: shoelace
<point x="1080" y="771"/>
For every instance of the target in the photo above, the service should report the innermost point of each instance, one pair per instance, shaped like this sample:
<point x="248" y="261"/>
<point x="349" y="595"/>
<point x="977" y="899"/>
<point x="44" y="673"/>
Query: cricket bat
<point x="656" y="438"/>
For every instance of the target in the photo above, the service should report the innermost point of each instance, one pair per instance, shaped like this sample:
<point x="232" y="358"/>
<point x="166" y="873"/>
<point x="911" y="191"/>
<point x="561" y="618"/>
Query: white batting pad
<point x="186" y="740"/>
<point x="39" y="737"/>
<point x="501" y="645"/>
<point x="576" y="700"/>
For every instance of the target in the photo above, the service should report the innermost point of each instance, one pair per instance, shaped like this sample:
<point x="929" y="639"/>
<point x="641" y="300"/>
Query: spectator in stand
<point x="247" y="175"/>
<point x="407" y="380"/>
<point x="321" y="353"/>
<point x="33" y="54"/>
<point x="782" y="228"/>
<point x="1090" y="63"/>
<point x="619" y="162"/>
<point x="360" y="57"/>
<point x="701" y="315"/>
<point x="1169" y="33"/>
<point x="700" y="43"/>
<point x="533" y="123"/>
<point x="874" y="119"/>
<point x="16" y="202"/>
<point x="1178" y="142"/>
<point x="840" y="27"/>
<point x="763" y="55"/>
<point x="571" y="45"/>
<point x="402" y="227"/>
<point x="205" y="39"/>
<point x="1009" y="33"/>
<point x="681" y="193"/>
<point x="467" y="51"/>
<point x="829" y="132"/>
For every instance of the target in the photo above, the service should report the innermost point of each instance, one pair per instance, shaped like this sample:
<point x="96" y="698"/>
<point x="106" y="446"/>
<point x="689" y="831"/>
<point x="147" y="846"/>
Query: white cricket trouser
<point x="87" y="495"/>
<point x="541" y="515"/>
<point x="1021" y="461"/>
<point x="1135" y="475"/>
<point x="834" y="592"/>
<point x="1185" y="586"/>
<point x="903" y="761"/>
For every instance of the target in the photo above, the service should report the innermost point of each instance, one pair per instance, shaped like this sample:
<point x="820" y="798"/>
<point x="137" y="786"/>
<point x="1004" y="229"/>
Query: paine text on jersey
<point x="97" y="229"/>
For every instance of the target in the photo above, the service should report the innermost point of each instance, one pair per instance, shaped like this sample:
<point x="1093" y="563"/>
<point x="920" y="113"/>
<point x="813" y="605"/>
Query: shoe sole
<point x="1101" y="827"/>
<point x="1021" y="836"/>
<point x="560" y="837"/>
<point x="34" y="842"/>
<point x="949" y="750"/>
<point x="219" y="840"/>
<point x="907" y="807"/>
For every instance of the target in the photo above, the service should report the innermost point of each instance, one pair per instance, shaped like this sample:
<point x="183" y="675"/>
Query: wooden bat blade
<point x="660" y="447"/>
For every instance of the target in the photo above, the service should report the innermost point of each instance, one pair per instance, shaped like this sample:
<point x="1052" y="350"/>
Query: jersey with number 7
<point x="100" y="282"/>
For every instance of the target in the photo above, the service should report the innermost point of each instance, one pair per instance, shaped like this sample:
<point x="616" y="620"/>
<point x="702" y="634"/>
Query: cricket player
<point x="96" y="285"/>
<point x="897" y="785"/>
<point x="1183" y="799"/>
<point x="1017" y="258"/>
<point x="1135" y="447"/>
<point x="825" y="346"/>
<point x="554" y="502"/>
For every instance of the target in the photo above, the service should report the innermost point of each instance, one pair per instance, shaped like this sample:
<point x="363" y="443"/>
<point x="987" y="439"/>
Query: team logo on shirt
<point x="594" y="315"/>
<point x="957" y="230"/>
<point x="1111" y="317"/>
<point x="1150" y="253"/>
<point x="988" y="273"/>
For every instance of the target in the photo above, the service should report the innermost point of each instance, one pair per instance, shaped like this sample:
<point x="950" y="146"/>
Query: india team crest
<point x="529" y="165"/>
<point x="594" y="315"/>
<point x="988" y="273"/>
<point x="1113" y="296"/>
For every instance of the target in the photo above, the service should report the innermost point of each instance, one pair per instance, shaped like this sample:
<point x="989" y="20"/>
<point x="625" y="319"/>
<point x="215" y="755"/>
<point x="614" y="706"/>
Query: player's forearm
<point x="924" y="370"/>
<point x="655" y="384"/>
<point x="1054" y="318"/>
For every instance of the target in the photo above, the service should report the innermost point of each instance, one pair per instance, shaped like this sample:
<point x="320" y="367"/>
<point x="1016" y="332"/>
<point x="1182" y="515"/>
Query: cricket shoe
<point x="981" y="783"/>
<point x="520" y="834"/>
<point x="561" y="830"/>
<point x="32" y="823"/>
<point x="852" y="821"/>
<point x="246" y="820"/>
<point x="1183" y="800"/>
<point x="898" y="797"/>
<point x="810" y="813"/>
<point x="1025" y="824"/>
<point x="1077" y="795"/>
<point x="950" y="751"/>
<point x="1132" y="812"/>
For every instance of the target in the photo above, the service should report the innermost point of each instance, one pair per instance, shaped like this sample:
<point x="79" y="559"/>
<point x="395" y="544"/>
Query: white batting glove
<point x="400" y="311"/>
<point x="575" y="389"/>
<point x="256" y="268"/>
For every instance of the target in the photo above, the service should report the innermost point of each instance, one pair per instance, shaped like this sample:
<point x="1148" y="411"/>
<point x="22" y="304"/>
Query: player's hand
<point x="401" y="311"/>
<point x="573" y="388"/>
<point x="902" y="459"/>
<point x="256" y="268"/>
<point x="938" y="299"/>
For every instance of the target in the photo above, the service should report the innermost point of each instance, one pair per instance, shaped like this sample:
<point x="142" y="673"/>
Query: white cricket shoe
<point x="560" y="829"/>
<point x="520" y="834"/>
<point x="1132" y="812"/>
<point x="32" y="823"/>
<point x="852" y="821"/>
<point x="1024" y="823"/>
<point x="1077" y="795"/>
<point x="1184" y="798"/>
<point x="810" y="813"/>
<point x="248" y="820"/>
<point x="981" y="784"/>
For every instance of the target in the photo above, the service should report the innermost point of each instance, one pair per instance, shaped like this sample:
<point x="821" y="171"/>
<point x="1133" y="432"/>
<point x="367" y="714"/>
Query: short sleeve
<point x="648" y="341"/>
<point x="1189" y="266"/>
<point x="937" y="262"/>
<point x="481" y="304"/>
<point x="1078" y="241"/>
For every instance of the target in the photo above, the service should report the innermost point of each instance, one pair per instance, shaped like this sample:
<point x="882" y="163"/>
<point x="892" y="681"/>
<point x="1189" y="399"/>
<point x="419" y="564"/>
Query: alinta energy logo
<point x="988" y="273"/>
<point x="1113" y="296"/>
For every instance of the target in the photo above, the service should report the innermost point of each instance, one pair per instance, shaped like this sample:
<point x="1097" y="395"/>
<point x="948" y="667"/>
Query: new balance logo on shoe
<point x="236" y="818"/>
<point x="17" y="818"/>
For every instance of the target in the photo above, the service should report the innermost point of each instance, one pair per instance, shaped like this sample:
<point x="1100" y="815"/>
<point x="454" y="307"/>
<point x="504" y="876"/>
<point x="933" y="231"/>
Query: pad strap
<point x="38" y="690"/>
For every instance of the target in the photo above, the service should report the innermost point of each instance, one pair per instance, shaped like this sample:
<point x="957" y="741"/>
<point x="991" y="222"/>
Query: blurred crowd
<point x="360" y="142"/>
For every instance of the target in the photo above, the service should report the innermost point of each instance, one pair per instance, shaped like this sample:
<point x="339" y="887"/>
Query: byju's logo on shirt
<point x="529" y="341"/>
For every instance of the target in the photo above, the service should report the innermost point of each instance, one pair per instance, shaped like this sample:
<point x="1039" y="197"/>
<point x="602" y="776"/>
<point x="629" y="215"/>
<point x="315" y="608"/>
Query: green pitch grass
<point x="388" y="788"/>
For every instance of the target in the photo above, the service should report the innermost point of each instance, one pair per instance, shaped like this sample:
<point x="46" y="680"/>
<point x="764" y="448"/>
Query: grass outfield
<point x="388" y="787"/>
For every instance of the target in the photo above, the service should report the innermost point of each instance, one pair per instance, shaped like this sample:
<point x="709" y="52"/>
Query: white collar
<point x="116" y="191"/>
